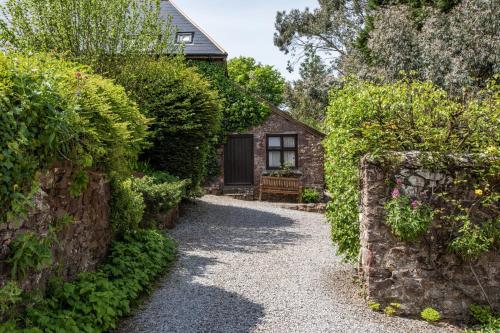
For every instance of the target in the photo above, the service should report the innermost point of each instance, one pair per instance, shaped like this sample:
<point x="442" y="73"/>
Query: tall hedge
<point x="52" y="109"/>
<point x="366" y="118"/>
<point x="185" y="114"/>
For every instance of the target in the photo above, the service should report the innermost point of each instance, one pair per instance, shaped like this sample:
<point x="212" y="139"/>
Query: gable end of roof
<point x="203" y="43"/>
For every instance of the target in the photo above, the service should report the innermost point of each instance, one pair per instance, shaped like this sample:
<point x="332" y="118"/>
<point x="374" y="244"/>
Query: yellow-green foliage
<point x="367" y="118"/>
<point x="391" y="309"/>
<point x="430" y="315"/>
<point x="374" y="306"/>
<point x="53" y="109"/>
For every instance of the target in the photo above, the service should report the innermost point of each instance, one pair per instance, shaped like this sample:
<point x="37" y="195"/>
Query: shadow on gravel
<point x="213" y="227"/>
<point x="182" y="305"/>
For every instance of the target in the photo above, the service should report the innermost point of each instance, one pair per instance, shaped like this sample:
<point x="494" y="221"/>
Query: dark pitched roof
<point x="283" y="114"/>
<point x="203" y="44"/>
<point x="287" y="116"/>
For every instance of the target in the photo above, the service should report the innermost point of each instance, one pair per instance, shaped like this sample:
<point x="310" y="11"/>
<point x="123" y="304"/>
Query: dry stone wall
<point x="83" y="244"/>
<point x="423" y="273"/>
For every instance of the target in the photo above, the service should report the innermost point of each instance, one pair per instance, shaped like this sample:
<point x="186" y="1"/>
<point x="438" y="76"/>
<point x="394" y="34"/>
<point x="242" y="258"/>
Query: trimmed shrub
<point x="53" y="109"/>
<point x="160" y="195"/>
<point x="127" y="206"/>
<point x="367" y="118"/>
<point x="186" y="114"/>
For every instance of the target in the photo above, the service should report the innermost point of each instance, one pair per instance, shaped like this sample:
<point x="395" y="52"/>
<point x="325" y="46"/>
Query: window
<point x="281" y="151"/>
<point x="184" y="38"/>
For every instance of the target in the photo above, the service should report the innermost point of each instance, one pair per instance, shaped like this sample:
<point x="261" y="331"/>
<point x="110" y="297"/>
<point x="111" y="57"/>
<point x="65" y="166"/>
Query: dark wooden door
<point x="238" y="160"/>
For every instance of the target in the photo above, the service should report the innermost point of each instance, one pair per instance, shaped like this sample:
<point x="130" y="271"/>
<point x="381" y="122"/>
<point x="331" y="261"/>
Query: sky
<point x="244" y="27"/>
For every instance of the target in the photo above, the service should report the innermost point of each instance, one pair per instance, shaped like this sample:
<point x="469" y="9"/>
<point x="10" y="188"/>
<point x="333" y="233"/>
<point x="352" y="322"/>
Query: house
<point x="198" y="45"/>
<point x="280" y="140"/>
<point x="248" y="155"/>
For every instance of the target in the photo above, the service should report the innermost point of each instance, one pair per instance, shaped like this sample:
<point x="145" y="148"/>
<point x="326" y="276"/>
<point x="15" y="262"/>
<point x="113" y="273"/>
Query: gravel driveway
<point x="255" y="267"/>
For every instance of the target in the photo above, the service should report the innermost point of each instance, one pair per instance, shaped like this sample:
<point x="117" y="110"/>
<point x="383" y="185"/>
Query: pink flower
<point x="395" y="193"/>
<point x="399" y="181"/>
<point x="415" y="204"/>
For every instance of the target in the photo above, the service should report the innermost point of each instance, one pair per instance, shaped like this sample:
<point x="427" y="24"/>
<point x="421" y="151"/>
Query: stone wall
<point x="423" y="273"/>
<point x="83" y="244"/>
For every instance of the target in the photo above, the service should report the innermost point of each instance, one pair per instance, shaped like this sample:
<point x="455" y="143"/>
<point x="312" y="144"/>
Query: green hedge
<point x="369" y="118"/>
<point x="53" y="109"/>
<point x="186" y="114"/>
<point x="161" y="192"/>
<point x="95" y="301"/>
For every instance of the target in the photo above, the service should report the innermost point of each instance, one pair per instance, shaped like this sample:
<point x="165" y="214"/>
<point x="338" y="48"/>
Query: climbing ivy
<point x="241" y="110"/>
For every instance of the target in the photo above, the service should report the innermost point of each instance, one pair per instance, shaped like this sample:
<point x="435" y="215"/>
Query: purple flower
<point x="399" y="181"/>
<point x="415" y="204"/>
<point x="395" y="193"/>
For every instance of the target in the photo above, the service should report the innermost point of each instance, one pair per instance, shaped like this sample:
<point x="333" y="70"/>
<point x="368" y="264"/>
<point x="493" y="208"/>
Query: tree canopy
<point x="307" y="97"/>
<point x="91" y="31"/>
<point x="263" y="80"/>
<point x="449" y="42"/>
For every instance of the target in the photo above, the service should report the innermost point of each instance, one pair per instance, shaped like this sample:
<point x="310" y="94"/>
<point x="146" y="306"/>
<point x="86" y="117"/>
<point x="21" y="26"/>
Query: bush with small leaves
<point x="310" y="195"/>
<point x="430" y="315"/>
<point x="374" y="306"/>
<point x="368" y="118"/>
<point x="490" y="323"/>
<point x="391" y="309"/>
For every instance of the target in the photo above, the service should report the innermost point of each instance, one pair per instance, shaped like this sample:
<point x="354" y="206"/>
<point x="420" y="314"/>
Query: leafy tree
<point x="449" y="42"/>
<point x="307" y="97"/>
<point x="456" y="49"/>
<point x="93" y="31"/>
<point x="328" y="30"/>
<point x="262" y="80"/>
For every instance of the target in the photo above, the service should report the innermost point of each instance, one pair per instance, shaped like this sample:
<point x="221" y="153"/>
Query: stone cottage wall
<point x="83" y="244"/>
<point x="310" y="150"/>
<point x="310" y="154"/>
<point x="422" y="273"/>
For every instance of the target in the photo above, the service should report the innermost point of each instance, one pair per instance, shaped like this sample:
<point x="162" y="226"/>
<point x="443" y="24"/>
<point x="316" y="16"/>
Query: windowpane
<point x="185" y="37"/>
<point x="289" y="157"/>
<point x="289" y="141"/>
<point x="274" y="159"/>
<point x="274" y="141"/>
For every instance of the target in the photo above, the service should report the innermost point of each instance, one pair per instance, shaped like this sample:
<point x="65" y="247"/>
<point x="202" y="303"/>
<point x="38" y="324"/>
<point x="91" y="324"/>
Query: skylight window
<point x="184" y="38"/>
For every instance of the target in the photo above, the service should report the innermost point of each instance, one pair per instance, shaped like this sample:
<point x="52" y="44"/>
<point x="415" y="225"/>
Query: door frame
<point x="252" y="160"/>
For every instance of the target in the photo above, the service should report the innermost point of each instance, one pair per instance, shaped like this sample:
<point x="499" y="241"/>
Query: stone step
<point x="238" y="190"/>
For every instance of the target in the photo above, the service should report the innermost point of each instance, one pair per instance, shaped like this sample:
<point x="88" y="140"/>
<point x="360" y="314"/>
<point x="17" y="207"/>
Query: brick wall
<point x="424" y="272"/>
